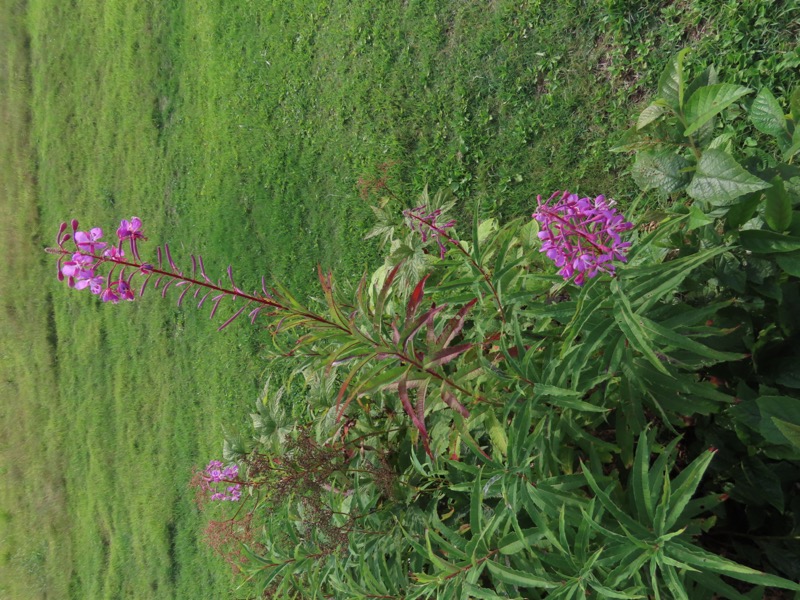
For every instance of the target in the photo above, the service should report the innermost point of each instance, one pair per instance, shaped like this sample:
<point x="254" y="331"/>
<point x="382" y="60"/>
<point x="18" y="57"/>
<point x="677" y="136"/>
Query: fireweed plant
<point x="581" y="235"/>
<point x="563" y="406"/>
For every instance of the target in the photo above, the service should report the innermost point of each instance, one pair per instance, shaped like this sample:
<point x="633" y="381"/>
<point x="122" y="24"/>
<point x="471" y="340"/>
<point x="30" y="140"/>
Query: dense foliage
<point x="476" y="426"/>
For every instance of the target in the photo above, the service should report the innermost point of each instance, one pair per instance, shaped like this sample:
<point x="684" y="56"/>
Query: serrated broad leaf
<point x="794" y="106"/>
<point x="709" y="101"/>
<point x="720" y="180"/>
<point x="671" y="84"/>
<point x="663" y="170"/>
<point x="650" y="114"/>
<point x="706" y="78"/>
<point x="766" y="114"/>
<point x="778" y="209"/>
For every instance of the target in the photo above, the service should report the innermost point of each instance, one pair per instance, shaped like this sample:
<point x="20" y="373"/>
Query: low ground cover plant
<point x="581" y="402"/>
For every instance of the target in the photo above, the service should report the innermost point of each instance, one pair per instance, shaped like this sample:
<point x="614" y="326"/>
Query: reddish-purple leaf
<point x="232" y="318"/>
<point x="144" y="285"/>
<point x="254" y="314"/>
<point x="444" y="356"/>
<point x="451" y="401"/>
<point x="216" y="300"/>
<point x="416" y="298"/>
<point x="402" y="390"/>
<point x="183" y="293"/>
<point x="417" y="325"/>
<point x="169" y="259"/>
<point x="454" y="325"/>
<point x="202" y="268"/>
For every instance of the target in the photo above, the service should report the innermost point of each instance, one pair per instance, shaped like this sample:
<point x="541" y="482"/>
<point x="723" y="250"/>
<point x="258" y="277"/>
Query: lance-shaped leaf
<point x="380" y="301"/>
<point x="445" y="355"/>
<point x="684" y="486"/>
<point x="706" y="561"/>
<point x="761" y="241"/>
<point x="411" y="328"/>
<point x="709" y="101"/>
<point x="416" y="298"/>
<point x="518" y="578"/>
<point x="454" y="326"/>
<point x="419" y="423"/>
<point x="450" y="399"/>
<point x="720" y="180"/>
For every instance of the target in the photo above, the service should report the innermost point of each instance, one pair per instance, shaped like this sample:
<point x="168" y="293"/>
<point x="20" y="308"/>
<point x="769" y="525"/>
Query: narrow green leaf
<point x="685" y="485"/>
<point x="761" y="241"/>
<point x="481" y="593"/>
<point x="720" y="180"/>
<point x="778" y="210"/>
<point x="497" y="433"/>
<point x="476" y="507"/>
<point x="677" y="340"/>
<point x="766" y="114"/>
<point x="623" y="518"/>
<point x="641" y="480"/>
<point x="518" y="578"/>
<point x="709" y="101"/>
<point x="437" y="561"/>
<point x="712" y="562"/>
<point x="673" y="583"/>
<point x="632" y="328"/>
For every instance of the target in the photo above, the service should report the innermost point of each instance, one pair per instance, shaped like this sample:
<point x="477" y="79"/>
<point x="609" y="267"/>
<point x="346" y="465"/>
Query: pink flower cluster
<point x="581" y="235"/>
<point x="81" y="270"/>
<point x="217" y="473"/>
<point x="424" y="222"/>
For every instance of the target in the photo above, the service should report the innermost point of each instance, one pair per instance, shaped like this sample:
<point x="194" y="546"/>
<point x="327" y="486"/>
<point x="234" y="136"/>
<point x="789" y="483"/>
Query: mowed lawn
<point x="239" y="130"/>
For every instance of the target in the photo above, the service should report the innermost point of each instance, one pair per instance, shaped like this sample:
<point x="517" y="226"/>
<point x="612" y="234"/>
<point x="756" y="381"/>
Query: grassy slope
<point x="239" y="130"/>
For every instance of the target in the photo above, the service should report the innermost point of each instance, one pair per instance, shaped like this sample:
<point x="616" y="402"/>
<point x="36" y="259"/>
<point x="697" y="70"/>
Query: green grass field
<point x="239" y="130"/>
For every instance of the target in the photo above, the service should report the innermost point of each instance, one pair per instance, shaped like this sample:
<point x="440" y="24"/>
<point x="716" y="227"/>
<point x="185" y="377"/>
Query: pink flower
<point x="87" y="242"/>
<point x="581" y="235"/>
<point x="114" y="253"/>
<point x="130" y="230"/>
